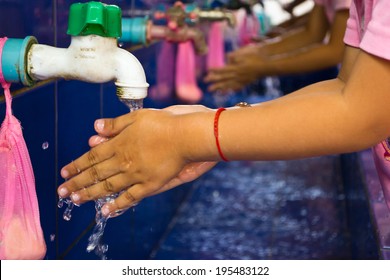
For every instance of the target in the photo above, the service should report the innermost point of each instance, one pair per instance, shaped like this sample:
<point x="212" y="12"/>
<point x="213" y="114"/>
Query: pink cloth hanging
<point x="21" y="235"/>
<point x="165" y="72"/>
<point x="216" y="54"/>
<point x="187" y="89"/>
<point x="381" y="153"/>
<point x="248" y="29"/>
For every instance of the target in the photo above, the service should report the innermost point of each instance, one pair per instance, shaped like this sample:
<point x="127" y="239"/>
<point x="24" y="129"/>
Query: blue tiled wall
<point x="61" y="115"/>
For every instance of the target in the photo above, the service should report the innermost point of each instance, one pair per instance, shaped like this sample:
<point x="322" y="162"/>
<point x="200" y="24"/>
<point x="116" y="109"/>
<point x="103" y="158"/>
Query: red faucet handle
<point x="179" y="4"/>
<point x="159" y="15"/>
<point x="172" y="25"/>
<point x="192" y="16"/>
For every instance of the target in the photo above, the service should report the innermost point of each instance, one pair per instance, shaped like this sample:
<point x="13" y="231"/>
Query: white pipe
<point x="92" y="59"/>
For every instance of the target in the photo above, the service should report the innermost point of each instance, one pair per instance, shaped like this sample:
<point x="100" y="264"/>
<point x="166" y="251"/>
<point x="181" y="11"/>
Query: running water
<point x="67" y="215"/>
<point x="95" y="241"/>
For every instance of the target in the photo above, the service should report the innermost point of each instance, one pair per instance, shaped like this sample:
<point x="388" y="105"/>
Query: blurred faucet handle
<point x="216" y="15"/>
<point x="159" y="15"/>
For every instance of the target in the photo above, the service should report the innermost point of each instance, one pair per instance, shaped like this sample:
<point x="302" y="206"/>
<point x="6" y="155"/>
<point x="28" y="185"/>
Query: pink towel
<point x="248" y="29"/>
<point x="216" y="54"/>
<point x="21" y="235"/>
<point x="381" y="153"/>
<point x="187" y="88"/>
<point x="165" y="72"/>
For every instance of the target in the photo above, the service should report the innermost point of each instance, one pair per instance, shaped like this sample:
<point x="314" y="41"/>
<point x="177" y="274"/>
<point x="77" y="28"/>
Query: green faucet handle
<point x="95" y="18"/>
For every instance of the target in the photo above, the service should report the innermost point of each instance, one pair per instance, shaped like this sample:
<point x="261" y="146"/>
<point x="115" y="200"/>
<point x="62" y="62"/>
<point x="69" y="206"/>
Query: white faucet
<point x="90" y="58"/>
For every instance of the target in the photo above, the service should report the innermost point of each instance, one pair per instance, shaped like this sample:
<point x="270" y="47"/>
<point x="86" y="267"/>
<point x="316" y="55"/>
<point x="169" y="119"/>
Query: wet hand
<point x="234" y="76"/>
<point x="190" y="171"/>
<point x="115" y="164"/>
<point x="242" y="53"/>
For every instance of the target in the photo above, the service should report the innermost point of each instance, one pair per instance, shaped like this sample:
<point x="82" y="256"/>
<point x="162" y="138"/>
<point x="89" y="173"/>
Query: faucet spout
<point x="181" y="34"/>
<point x="90" y="58"/>
<point x="216" y="15"/>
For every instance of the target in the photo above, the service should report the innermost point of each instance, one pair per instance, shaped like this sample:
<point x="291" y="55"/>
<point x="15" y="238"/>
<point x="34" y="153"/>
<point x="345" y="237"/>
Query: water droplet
<point x="68" y="211"/>
<point x="104" y="248"/>
<point x="67" y="215"/>
<point x="45" y="145"/>
<point x="60" y="203"/>
<point x="91" y="245"/>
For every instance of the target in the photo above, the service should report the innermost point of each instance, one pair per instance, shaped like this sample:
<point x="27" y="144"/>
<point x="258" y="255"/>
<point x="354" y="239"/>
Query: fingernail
<point x="64" y="173"/>
<point x="62" y="191"/>
<point x="95" y="140"/>
<point x="99" y="125"/>
<point x="75" y="197"/>
<point x="99" y="140"/>
<point x="105" y="210"/>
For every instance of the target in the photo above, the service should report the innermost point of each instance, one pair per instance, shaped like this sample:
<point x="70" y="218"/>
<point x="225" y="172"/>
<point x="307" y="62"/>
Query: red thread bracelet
<point x="216" y="119"/>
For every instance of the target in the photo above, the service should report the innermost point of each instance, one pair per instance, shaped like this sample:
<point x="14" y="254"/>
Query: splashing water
<point x="67" y="215"/>
<point x="95" y="242"/>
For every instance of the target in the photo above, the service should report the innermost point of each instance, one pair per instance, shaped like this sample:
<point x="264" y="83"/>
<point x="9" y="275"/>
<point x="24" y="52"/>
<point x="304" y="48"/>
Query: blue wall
<point x="61" y="114"/>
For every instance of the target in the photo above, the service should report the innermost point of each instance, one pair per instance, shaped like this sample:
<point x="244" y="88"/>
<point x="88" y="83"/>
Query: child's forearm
<point x="308" y="59"/>
<point x="313" y="32"/>
<point x="329" y="117"/>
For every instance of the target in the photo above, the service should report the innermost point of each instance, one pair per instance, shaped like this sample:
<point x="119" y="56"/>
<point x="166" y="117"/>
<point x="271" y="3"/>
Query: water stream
<point x="95" y="241"/>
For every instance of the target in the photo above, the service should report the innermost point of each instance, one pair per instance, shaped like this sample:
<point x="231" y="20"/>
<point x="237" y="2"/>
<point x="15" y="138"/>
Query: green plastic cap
<point x="95" y="18"/>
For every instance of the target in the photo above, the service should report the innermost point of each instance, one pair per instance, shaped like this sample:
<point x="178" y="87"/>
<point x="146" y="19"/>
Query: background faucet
<point x="181" y="25"/>
<point x="177" y="29"/>
<point x="217" y="14"/>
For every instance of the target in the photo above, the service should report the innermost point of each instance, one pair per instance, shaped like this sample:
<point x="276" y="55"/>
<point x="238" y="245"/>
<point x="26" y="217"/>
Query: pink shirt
<point x="331" y="6"/>
<point x="368" y="27"/>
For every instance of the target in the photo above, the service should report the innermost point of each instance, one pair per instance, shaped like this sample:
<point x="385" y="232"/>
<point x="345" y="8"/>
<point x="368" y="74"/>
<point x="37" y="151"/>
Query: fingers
<point x="129" y="198"/>
<point x="96" y="140"/>
<point x="220" y="77"/>
<point x="94" y="175"/>
<point x="226" y="79"/>
<point x="111" y="185"/>
<point x="111" y="127"/>
<point x="225" y="87"/>
<point x="95" y="155"/>
<point x="133" y="195"/>
<point x="233" y="58"/>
